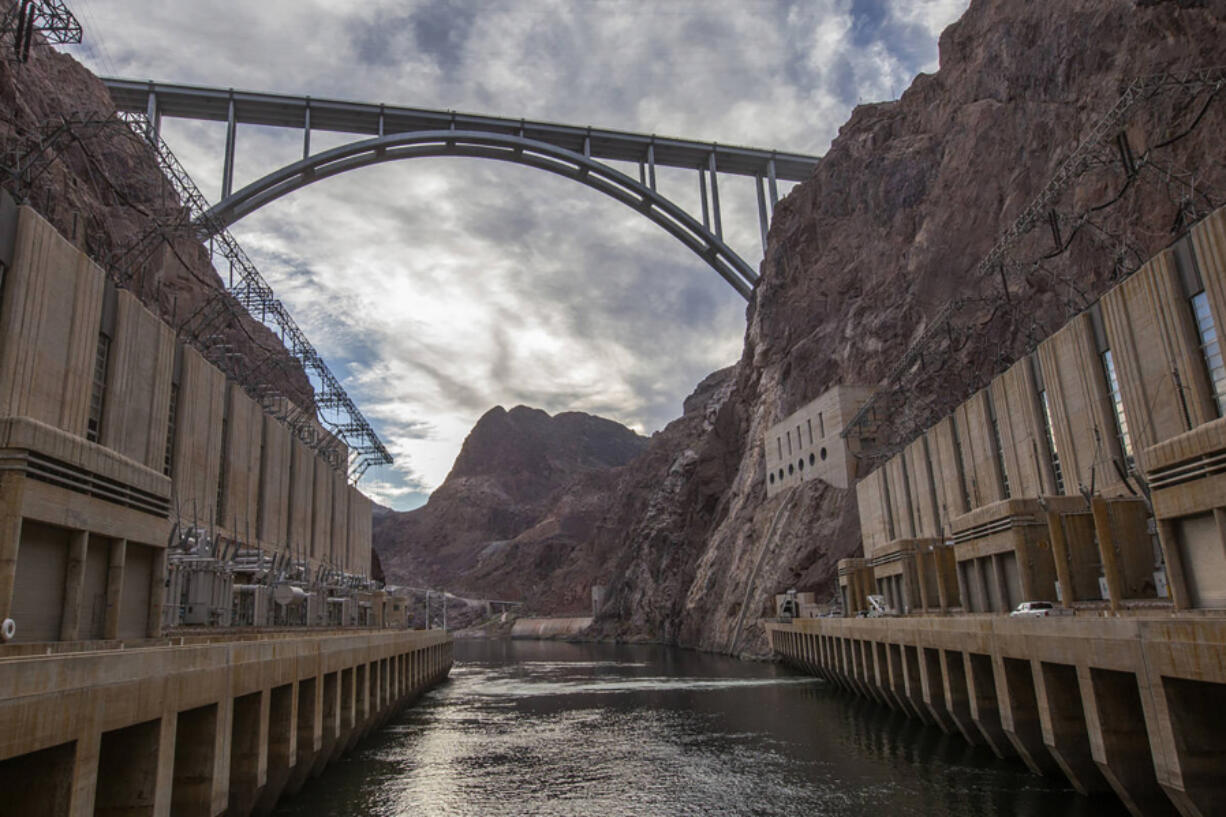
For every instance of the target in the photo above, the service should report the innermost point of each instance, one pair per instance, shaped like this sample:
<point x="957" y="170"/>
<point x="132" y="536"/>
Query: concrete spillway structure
<point x="199" y="728"/>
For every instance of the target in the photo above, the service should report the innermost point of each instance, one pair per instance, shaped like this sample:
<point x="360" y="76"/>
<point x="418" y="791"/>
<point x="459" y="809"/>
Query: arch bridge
<point x="389" y="133"/>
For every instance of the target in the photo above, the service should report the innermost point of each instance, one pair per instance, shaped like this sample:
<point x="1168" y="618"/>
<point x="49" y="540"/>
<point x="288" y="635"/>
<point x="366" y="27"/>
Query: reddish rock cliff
<point x="516" y="517"/>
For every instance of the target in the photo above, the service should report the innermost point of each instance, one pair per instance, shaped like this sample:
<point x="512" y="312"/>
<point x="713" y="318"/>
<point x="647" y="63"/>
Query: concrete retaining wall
<point x="199" y="729"/>
<point x="1129" y="705"/>
<point x="549" y="627"/>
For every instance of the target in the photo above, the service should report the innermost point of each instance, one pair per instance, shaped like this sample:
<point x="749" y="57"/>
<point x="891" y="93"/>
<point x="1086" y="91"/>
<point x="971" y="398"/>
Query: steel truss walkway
<point x="391" y="133"/>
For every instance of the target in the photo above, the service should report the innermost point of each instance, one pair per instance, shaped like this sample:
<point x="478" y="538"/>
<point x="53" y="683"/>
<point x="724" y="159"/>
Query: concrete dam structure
<point x="189" y="622"/>
<point x="1087" y="477"/>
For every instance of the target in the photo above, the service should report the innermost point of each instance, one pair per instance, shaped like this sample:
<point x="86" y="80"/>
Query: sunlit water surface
<point x="545" y="728"/>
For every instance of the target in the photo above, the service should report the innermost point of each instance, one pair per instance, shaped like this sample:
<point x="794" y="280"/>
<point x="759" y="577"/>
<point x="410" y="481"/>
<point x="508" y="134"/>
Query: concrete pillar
<point x="1002" y="584"/>
<point x="1024" y="553"/>
<point x="310" y="737"/>
<point x="898" y="688"/>
<point x="957" y="695"/>
<point x="12" y="492"/>
<point x="1019" y="713"/>
<point x="114" y="587"/>
<point x="1106" y="549"/>
<point x="913" y="684"/>
<point x="248" y="752"/>
<point x="1119" y="741"/>
<point x="330" y="721"/>
<point x="932" y="681"/>
<point x="1062" y="718"/>
<point x="361" y="715"/>
<point x="348" y="711"/>
<point x="74" y="586"/>
<point x="882" y="678"/>
<point x="84" y="782"/>
<point x="985" y="711"/>
<point x="1167" y="538"/>
<point x="1059" y="553"/>
<point x="157" y="593"/>
<point x="198" y="734"/>
<point x="282" y="745"/>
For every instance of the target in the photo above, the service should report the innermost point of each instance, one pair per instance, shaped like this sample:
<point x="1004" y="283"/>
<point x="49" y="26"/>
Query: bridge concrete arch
<point x="501" y="147"/>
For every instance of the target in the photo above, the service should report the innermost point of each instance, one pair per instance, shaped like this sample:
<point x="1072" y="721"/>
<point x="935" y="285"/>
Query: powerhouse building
<point x="139" y="488"/>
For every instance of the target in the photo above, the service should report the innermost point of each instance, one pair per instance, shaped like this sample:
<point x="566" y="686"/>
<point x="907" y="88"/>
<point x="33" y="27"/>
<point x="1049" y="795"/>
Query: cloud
<point x="436" y="288"/>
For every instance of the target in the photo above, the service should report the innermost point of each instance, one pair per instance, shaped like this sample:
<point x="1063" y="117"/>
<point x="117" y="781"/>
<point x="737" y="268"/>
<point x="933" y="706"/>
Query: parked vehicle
<point x="1039" y="609"/>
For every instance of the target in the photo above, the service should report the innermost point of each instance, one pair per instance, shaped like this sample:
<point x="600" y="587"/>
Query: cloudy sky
<point x="438" y="288"/>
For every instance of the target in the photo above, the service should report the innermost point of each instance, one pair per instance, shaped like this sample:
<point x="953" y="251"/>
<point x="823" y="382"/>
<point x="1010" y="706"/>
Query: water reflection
<point x="541" y="728"/>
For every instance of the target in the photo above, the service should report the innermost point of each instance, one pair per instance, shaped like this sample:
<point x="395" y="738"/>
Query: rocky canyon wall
<point x="862" y="258"/>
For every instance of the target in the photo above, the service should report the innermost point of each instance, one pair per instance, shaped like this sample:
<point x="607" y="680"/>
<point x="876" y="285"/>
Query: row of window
<point x="821" y="432"/>
<point x="798" y="467"/>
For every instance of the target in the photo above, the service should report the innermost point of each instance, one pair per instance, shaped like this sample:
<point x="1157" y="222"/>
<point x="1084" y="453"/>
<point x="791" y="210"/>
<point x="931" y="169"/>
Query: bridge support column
<point x="248" y="752"/>
<point x="719" y="223"/>
<point x="763" y="218"/>
<point x="227" y="171"/>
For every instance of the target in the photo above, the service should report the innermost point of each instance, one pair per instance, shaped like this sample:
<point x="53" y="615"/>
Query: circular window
<point x="812" y="459"/>
<point x="772" y="479"/>
<point x="800" y="464"/>
<point x="823" y="453"/>
<point x="791" y="470"/>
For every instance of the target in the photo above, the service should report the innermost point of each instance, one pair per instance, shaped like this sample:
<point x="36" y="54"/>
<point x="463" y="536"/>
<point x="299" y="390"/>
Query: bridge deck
<point x="280" y="110"/>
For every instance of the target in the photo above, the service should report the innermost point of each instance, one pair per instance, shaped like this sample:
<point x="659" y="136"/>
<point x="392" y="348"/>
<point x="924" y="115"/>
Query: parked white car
<point x="1038" y="609"/>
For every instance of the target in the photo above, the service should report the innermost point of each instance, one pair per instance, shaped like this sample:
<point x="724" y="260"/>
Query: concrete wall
<point x="301" y="496"/>
<point x="199" y="728"/>
<point x="137" y="406"/>
<point x="338" y="539"/>
<point x="979" y="459"/>
<point x="241" y="464"/>
<point x="321" y="512"/>
<point x="51" y="315"/>
<point x="951" y="486"/>
<point x="1157" y="353"/>
<point x="806" y="444"/>
<point x="360" y="523"/>
<point x="197" y="457"/>
<point x="875" y="527"/>
<point x="1024" y="440"/>
<point x="92" y="474"/>
<point x="1126" y="706"/>
<point x="275" y="478"/>
<point x="921" y="477"/>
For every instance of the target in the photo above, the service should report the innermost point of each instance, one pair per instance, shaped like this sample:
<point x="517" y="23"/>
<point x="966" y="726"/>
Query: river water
<point x="579" y="730"/>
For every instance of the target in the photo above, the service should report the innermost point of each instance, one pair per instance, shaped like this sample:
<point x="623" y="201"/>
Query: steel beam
<point x="508" y="148"/>
<point x="702" y="189"/>
<point x="651" y="165"/>
<point x="774" y="185"/>
<point x="719" y="224"/>
<point x="763" y="218"/>
<point x="368" y="119"/>
<point x="306" y="130"/>
<point x="227" y="173"/>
